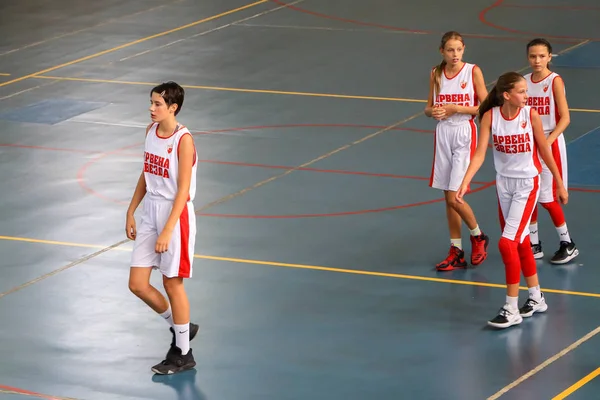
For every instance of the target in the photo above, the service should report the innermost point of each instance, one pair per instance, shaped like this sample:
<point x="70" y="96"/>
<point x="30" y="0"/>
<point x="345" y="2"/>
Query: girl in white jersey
<point x="546" y="91"/>
<point x="166" y="236"/>
<point x="455" y="88"/>
<point x="518" y="140"/>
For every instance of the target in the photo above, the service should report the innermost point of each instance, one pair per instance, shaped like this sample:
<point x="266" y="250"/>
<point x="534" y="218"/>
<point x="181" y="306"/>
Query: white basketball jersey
<point x="515" y="152"/>
<point x="161" y="164"/>
<point x="541" y="97"/>
<point x="457" y="90"/>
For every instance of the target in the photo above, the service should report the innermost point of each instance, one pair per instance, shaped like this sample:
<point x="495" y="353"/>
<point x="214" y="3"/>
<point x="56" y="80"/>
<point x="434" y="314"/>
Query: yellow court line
<point x="545" y="364"/>
<point x="101" y="53"/>
<point x="312" y="267"/>
<point x="577" y="385"/>
<point x="230" y="89"/>
<point x="584" y="110"/>
<point x="3" y="74"/>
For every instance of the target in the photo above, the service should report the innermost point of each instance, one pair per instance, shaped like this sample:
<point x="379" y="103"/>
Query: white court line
<point x="135" y="125"/>
<point x="546" y="363"/>
<point x="585" y="134"/>
<point x="210" y="31"/>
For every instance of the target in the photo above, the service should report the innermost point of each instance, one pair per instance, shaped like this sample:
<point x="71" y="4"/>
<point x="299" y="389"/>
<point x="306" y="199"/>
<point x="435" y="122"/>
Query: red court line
<point x="24" y="146"/>
<point x="31" y="394"/>
<point x="499" y="3"/>
<point x="81" y="173"/>
<point x="83" y="169"/>
<point x="328" y="171"/>
<point x="551" y="7"/>
<point x="396" y="28"/>
<point x="580" y="189"/>
<point x="255" y="127"/>
<point x="242" y="164"/>
<point x="342" y="213"/>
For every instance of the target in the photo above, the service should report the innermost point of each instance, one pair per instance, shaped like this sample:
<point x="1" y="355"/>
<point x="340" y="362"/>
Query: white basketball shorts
<point x="454" y="145"/>
<point x="178" y="259"/>
<point x="548" y="184"/>
<point x="516" y="200"/>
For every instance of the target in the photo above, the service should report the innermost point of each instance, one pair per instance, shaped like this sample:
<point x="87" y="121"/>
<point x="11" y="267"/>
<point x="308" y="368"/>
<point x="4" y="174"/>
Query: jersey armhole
<point x="149" y="127"/>
<point x="193" y="144"/>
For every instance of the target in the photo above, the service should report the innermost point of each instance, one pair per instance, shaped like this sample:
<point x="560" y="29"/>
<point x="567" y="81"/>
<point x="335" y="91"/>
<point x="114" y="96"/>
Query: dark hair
<point x="495" y="97"/>
<point x="540" y="42"/>
<point x="171" y="93"/>
<point x="437" y="73"/>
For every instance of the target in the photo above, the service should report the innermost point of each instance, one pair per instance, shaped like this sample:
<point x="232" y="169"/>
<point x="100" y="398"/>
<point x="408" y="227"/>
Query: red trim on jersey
<point x="171" y="135"/>
<point x="532" y="81"/>
<point x="185" y="264"/>
<point x="556" y="112"/>
<point x="528" y="211"/>
<point x="535" y="151"/>
<point x="475" y="98"/>
<point x="193" y="144"/>
<point x="510" y="119"/>
<point x="458" y="73"/>
<point x="195" y="158"/>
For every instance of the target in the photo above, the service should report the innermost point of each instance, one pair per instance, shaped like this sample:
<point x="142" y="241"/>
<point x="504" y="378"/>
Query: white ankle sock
<point x="475" y="231"/>
<point x="182" y="337"/>
<point x="535" y="292"/>
<point x="533" y="234"/>
<point x="563" y="233"/>
<point x="168" y="316"/>
<point x="513" y="302"/>
<point x="456" y="243"/>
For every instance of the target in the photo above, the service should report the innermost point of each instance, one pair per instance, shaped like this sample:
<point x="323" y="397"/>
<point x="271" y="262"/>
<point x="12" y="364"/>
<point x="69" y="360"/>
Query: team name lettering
<point x="513" y="144"/>
<point x="541" y="104"/>
<point x="460" y="99"/>
<point x="156" y="165"/>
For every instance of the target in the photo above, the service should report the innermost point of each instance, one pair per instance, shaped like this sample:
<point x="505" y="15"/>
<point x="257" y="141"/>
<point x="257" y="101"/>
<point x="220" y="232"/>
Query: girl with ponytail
<point x="517" y="141"/>
<point x="547" y="93"/>
<point x="455" y="88"/>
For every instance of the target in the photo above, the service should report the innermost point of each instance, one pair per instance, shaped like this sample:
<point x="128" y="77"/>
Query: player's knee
<point x="451" y="201"/>
<point x="172" y="285"/>
<point x="138" y="287"/>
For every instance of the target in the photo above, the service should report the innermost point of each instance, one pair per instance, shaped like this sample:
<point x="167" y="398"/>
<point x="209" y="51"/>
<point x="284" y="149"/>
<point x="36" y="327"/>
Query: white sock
<point x="535" y="293"/>
<point x="563" y="233"/>
<point x="513" y="302"/>
<point x="182" y="337"/>
<point x="456" y="243"/>
<point x="533" y="234"/>
<point x="168" y="316"/>
<point x="475" y="231"/>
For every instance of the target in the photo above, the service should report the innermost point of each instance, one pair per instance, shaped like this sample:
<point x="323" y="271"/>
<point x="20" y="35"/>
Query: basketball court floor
<point x="317" y="235"/>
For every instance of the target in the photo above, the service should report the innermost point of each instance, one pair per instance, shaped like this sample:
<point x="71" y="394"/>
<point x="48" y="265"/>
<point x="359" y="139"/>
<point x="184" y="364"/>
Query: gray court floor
<point x="317" y="235"/>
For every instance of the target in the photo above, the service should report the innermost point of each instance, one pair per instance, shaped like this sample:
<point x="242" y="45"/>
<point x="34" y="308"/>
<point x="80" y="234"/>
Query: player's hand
<point x="450" y="109"/>
<point x="562" y="194"/>
<point x="162" y="243"/>
<point x="438" y="113"/>
<point x="462" y="190"/>
<point x="130" y="229"/>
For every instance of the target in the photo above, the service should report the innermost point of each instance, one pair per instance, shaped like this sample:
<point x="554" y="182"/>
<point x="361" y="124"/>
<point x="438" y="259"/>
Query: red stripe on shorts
<point x="528" y="211"/>
<point x="184" y="258"/>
